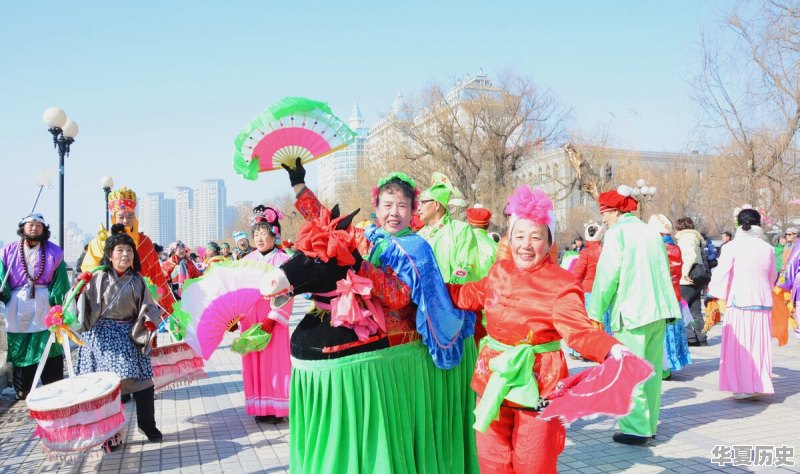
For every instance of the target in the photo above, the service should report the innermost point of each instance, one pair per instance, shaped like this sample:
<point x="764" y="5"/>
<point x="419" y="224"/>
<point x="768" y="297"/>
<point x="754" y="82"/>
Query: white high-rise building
<point x="337" y="172"/>
<point x="184" y="222"/>
<point x="74" y="240"/>
<point x="157" y="217"/>
<point x="168" y="222"/>
<point x="208" y="211"/>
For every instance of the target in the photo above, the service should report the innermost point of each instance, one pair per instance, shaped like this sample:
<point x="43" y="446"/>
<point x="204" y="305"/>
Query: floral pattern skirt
<point x="113" y="351"/>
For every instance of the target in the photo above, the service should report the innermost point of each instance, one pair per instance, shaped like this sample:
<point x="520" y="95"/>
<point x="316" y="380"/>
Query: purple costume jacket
<point x="11" y="259"/>
<point x="790" y="272"/>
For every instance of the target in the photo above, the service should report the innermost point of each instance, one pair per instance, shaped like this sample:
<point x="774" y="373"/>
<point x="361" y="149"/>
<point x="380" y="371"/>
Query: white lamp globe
<point x="636" y="192"/>
<point x="70" y="129"/>
<point x="645" y="191"/>
<point x="54" y="117"/>
<point x="652" y="190"/>
<point x="106" y="182"/>
<point x="640" y="183"/>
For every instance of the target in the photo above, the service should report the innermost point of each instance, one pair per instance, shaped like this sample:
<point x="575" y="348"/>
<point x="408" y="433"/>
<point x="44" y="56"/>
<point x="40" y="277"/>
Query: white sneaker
<point x="744" y="396"/>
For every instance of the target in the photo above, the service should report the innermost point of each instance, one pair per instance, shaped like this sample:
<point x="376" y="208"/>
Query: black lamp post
<point x="64" y="131"/>
<point x="106" y="183"/>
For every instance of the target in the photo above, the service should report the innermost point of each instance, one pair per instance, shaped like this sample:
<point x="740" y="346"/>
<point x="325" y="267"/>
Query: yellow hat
<point x="122" y="199"/>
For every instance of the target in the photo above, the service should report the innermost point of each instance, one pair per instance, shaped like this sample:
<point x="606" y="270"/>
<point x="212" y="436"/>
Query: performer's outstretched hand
<point x="618" y="351"/>
<point x="296" y="175"/>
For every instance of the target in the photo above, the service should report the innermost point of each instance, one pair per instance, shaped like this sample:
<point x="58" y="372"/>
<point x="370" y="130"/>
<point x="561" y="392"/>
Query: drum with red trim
<point x="77" y="414"/>
<point x="175" y="364"/>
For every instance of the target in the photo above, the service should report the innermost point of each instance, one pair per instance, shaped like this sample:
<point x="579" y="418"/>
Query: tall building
<point x="168" y="223"/>
<point x="157" y="217"/>
<point x="337" y="173"/>
<point x="74" y="240"/>
<point x="208" y="211"/>
<point x="184" y="222"/>
<point x="384" y="137"/>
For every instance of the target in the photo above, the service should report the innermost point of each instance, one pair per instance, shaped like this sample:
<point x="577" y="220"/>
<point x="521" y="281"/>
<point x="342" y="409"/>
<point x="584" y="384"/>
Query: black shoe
<point x="126" y="397"/>
<point x="111" y="447"/>
<point x="153" y="435"/>
<point x="270" y="419"/>
<point x="632" y="440"/>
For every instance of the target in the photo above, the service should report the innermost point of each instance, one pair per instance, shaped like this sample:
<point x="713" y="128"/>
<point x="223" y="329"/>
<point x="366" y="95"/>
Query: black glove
<point x="298" y="174"/>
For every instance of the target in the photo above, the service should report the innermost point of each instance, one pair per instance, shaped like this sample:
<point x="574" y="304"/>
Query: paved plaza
<point x="206" y="430"/>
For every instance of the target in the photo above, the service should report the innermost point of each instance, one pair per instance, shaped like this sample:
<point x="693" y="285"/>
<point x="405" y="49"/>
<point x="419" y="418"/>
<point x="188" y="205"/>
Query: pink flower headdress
<point x="531" y="204"/>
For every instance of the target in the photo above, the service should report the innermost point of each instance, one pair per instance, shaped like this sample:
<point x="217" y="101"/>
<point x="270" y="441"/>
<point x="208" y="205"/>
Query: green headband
<point x="399" y="175"/>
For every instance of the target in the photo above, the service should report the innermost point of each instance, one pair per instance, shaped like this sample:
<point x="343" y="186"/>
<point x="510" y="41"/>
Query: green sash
<point x="512" y="379"/>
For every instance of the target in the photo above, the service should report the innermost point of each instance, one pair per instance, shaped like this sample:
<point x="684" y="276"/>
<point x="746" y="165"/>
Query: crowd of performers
<point x="425" y="351"/>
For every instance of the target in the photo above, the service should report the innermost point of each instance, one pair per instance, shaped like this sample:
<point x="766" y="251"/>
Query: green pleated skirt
<point x="453" y="413"/>
<point x="25" y="349"/>
<point x="387" y="411"/>
<point x="362" y="413"/>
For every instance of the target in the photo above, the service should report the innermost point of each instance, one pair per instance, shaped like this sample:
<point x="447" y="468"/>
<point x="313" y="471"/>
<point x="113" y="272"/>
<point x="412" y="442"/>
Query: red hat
<point x="479" y="216"/>
<point x="620" y="199"/>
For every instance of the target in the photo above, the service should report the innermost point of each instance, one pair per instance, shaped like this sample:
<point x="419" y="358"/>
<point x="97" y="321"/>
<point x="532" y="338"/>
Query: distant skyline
<point x="161" y="90"/>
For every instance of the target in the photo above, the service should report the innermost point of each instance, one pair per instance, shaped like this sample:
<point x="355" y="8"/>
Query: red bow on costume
<point x="354" y="308"/>
<point x="320" y="239"/>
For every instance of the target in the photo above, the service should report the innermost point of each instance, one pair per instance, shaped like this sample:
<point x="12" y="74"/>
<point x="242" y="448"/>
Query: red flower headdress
<point x="532" y="204"/>
<point x="319" y="238"/>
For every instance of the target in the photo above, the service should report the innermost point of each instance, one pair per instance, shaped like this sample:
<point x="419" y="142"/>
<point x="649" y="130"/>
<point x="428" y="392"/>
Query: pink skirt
<point x="267" y="374"/>
<point x="745" y="362"/>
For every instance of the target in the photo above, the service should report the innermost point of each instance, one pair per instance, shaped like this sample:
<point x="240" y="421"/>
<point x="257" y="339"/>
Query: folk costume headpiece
<point x="661" y="223"/>
<point x="123" y="199"/>
<point x="33" y="217"/>
<point x="479" y="216"/>
<point x="395" y="178"/>
<point x="269" y="217"/>
<point x="620" y="199"/>
<point x="444" y="192"/>
<point x="534" y="205"/>
<point x="239" y="235"/>
<point x="594" y="232"/>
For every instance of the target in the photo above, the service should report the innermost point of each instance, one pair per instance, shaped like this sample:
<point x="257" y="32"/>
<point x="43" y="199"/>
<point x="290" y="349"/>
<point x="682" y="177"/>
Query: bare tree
<point x="477" y="134"/>
<point x="749" y="91"/>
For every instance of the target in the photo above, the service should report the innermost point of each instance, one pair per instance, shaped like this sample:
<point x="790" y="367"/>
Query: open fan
<point x="605" y="389"/>
<point x="293" y="127"/>
<point x="218" y="300"/>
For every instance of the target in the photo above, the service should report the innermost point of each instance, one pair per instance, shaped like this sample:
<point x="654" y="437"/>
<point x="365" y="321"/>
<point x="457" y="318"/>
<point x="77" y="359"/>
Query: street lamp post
<point x="64" y="131"/>
<point x="106" y="183"/>
<point x="644" y="194"/>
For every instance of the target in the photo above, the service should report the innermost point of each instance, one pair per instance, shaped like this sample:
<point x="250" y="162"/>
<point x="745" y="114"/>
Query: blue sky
<point x="161" y="90"/>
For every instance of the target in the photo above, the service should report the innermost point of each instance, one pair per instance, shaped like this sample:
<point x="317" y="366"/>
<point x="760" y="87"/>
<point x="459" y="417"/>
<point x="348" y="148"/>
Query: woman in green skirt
<point x="378" y="394"/>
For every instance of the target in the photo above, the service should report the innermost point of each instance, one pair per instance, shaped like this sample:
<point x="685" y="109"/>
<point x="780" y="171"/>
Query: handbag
<point x="700" y="272"/>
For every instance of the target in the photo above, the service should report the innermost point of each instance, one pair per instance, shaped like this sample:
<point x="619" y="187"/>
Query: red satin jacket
<point x="542" y="304"/>
<point x="675" y="263"/>
<point x="586" y="268"/>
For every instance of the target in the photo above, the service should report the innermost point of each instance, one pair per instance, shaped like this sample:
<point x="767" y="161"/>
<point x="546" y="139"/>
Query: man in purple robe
<point x="34" y="277"/>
